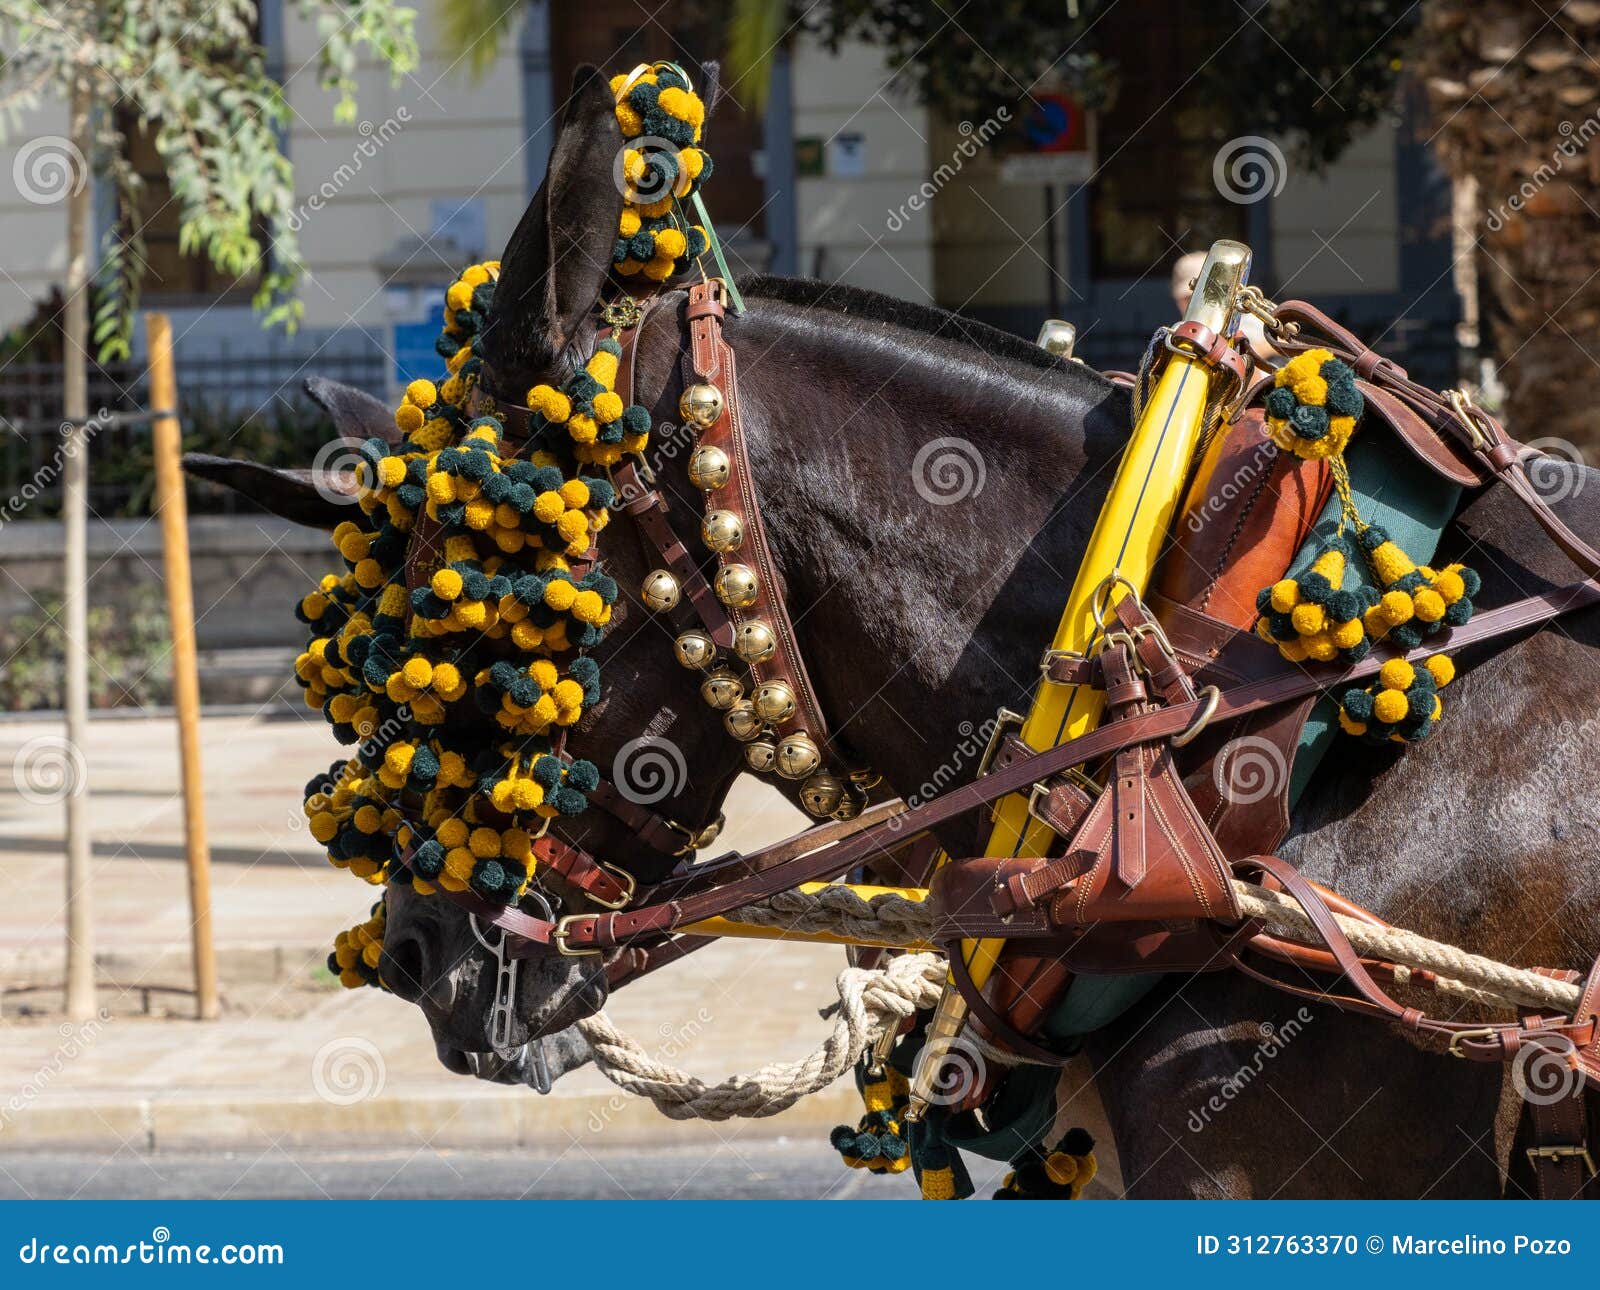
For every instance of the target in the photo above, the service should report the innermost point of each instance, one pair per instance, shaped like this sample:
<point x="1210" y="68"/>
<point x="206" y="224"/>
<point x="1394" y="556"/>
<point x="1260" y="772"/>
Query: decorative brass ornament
<point x="701" y="405"/>
<point x="709" y="468"/>
<point x="775" y="702"/>
<point x="741" y="721"/>
<point x="822" y="795"/>
<point x="759" y="756"/>
<point x="723" y="531"/>
<point x="755" y="642"/>
<point x="660" y="591"/>
<point x="736" y="586"/>
<point x="797" y="756"/>
<point x="695" y="649"/>
<point x="722" y="689"/>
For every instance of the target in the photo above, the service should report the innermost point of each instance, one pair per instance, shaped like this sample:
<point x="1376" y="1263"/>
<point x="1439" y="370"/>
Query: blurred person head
<point x="1184" y="273"/>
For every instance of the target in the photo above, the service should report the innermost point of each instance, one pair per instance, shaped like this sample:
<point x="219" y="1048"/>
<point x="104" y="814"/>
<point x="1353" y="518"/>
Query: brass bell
<point x="722" y="689"/>
<point x="701" y="405"/>
<point x="736" y="586"/>
<point x="755" y="642"/>
<point x="822" y="795"/>
<point x="849" y="808"/>
<point x="694" y="649"/>
<point x="797" y="756"/>
<point x="723" y="531"/>
<point x="759" y="756"/>
<point x="774" y="700"/>
<point x="741" y="721"/>
<point x="660" y="591"/>
<point x="709" y="468"/>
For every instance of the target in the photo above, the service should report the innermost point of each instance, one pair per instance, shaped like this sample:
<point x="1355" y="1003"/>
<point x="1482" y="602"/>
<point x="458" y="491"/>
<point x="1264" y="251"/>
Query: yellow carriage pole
<point x="1122" y="551"/>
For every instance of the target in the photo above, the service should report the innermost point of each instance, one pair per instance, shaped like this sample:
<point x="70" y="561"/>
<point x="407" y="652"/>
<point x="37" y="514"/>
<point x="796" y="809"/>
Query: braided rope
<point x="870" y="1001"/>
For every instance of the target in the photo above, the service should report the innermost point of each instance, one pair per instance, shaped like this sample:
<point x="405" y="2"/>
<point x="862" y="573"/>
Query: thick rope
<point x="868" y="1002"/>
<point x="894" y="918"/>
<point x="871" y="1001"/>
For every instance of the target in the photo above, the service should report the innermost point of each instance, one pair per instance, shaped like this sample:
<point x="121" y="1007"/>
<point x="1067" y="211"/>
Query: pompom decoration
<point x="1056" y="1173"/>
<point x="1315" y="617"/>
<point x="451" y="690"/>
<point x="878" y="1143"/>
<point x="1314" y="405"/>
<point x="659" y="112"/>
<point x="1401" y="705"/>
<point x="1415" y="601"/>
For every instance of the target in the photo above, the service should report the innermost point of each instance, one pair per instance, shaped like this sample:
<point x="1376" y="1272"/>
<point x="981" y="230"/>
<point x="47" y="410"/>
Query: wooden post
<point x="174" y="513"/>
<point x="80" y="999"/>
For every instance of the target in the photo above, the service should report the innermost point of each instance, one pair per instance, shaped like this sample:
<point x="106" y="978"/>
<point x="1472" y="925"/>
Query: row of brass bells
<point x="660" y="591"/>
<point x="722" y="531"/>
<point x="701" y="405"/>
<point x="709" y="468"/>
<point x="722" y="689"/>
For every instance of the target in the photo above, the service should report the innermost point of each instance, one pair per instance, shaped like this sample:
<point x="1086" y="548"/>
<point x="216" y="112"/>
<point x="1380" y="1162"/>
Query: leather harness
<point x="1143" y="884"/>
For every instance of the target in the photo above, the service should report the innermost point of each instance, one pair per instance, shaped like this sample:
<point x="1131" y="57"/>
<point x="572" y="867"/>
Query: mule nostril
<point x="404" y="967"/>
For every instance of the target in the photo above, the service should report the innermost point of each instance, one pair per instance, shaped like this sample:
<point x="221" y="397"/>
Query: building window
<point x="1154" y="198"/>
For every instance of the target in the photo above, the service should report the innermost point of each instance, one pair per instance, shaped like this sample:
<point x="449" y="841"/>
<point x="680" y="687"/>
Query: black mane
<point x="810" y="293"/>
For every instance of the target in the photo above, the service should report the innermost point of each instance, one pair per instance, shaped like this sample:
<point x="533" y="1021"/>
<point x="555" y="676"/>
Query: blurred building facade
<point x="844" y="178"/>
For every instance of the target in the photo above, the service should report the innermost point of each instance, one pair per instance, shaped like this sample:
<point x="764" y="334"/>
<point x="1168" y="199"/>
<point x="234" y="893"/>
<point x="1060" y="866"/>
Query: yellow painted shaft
<point x="1127" y="539"/>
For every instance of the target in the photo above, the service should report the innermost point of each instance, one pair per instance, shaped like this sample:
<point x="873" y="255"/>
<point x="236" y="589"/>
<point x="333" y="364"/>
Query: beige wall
<point x="848" y="219"/>
<point x="33" y="250"/>
<point x="448" y="136"/>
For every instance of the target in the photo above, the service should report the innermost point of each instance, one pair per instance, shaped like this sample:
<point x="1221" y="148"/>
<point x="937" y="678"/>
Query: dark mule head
<point x="553" y="272"/>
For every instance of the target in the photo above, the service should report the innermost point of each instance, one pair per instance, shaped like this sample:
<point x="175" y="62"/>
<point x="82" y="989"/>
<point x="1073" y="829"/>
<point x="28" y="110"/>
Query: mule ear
<point x="555" y="265"/>
<point x="356" y="414"/>
<point x="320" y="498"/>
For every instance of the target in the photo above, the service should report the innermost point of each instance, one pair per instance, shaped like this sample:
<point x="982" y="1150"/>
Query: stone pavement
<point x="296" y="1062"/>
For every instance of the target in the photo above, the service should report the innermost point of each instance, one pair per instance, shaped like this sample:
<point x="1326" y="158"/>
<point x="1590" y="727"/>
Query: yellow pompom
<point x="398" y="758"/>
<point x="1442" y="668"/>
<point x="418" y="673"/>
<point x="409" y="418"/>
<point x="459" y="863"/>
<point x="628" y="225"/>
<point x="391" y="472"/>
<point x="572" y="526"/>
<point x="424" y="394"/>
<point x="452" y="833"/>
<point x="1348" y="635"/>
<point x="1390" y="706"/>
<point x="587" y="607"/>
<point x="602" y="365"/>
<point x="583" y="429"/>
<point x="551" y="403"/>
<point x="671" y="243"/>
<point x="458" y="297"/>
<point x="441" y="488"/>
<point x="484" y="843"/>
<point x="1350" y="725"/>
<point x="631" y="122"/>
<point x="659" y="268"/>
<point x="1396" y="607"/>
<point x="446" y="584"/>
<point x="1321" y="649"/>
<point x="1397" y="674"/>
<point x="607" y="407"/>
<point x="1429" y="604"/>
<point x="1285" y="595"/>
<point x="479" y="514"/>
<point x="683" y="105"/>
<point x="1308" y="619"/>
<point x="548" y="507"/>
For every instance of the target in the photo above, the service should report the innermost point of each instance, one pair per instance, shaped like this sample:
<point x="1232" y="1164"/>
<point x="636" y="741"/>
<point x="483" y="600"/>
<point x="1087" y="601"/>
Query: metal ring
<point x="1202" y="719"/>
<point x="1100" y="602"/>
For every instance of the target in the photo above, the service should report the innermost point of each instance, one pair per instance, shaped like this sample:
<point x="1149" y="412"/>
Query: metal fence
<point x="250" y="406"/>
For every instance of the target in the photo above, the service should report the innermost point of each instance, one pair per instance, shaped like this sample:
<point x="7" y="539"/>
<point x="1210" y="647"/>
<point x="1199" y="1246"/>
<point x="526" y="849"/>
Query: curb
<point x="446" y="1117"/>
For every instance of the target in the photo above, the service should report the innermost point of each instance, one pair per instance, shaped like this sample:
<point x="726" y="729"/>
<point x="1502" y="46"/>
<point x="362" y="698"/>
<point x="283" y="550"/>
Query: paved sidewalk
<point x="296" y="1062"/>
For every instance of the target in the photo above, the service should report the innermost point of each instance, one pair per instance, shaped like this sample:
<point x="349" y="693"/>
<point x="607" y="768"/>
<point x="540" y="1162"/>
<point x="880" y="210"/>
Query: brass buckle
<point x="1042" y="789"/>
<point x="1202" y="719"/>
<point x="1467" y="413"/>
<point x="558" y="938"/>
<point x="1461" y="1036"/>
<point x="1562" y="1151"/>
<point x="1050" y="655"/>
<point x="624" y="879"/>
<point x="1003" y="718"/>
